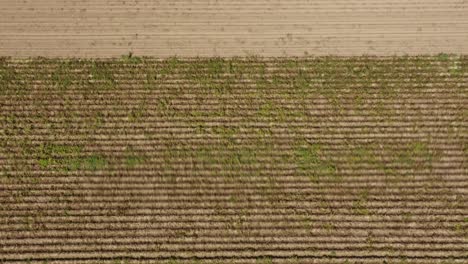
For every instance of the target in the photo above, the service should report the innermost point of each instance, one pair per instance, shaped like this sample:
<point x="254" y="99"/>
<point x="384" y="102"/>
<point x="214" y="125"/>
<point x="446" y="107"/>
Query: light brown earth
<point x="97" y="28"/>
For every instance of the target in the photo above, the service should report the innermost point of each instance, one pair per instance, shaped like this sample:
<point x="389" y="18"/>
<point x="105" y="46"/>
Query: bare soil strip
<point x="229" y="28"/>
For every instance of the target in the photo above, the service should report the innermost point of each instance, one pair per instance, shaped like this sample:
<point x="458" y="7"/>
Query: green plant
<point x="67" y="158"/>
<point x="359" y="206"/>
<point x="443" y="56"/>
<point x="310" y="163"/>
<point x="52" y="155"/>
<point x="137" y="113"/>
<point x="62" y="77"/>
<point x="94" y="162"/>
<point x="215" y="67"/>
<point x="169" y="66"/>
<point x="264" y="260"/>
<point x="134" y="160"/>
<point x="101" y="76"/>
<point x="131" y="58"/>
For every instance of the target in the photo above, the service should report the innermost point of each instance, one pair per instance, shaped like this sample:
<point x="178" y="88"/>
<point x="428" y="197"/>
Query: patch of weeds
<point x="209" y="75"/>
<point x="308" y="222"/>
<point x="236" y="159"/>
<point x="370" y="240"/>
<point x="133" y="160"/>
<point x="276" y="81"/>
<point x="381" y="110"/>
<point x="362" y="154"/>
<point x="290" y="65"/>
<point x="450" y="260"/>
<point x="461" y="229"/>
<point x="363" y="72"/>
<point x="51" y="155"/>
<point x="302" y="81"/>
<point x="7" y="75"/>
<point x="407" y="217"/>
<point x="307" y="155"/>
<point x="387" y="91"/>
<point x="410" y="158"/>
<point x="32" y="222"/>
<point x="205" y="156"/>
<point x="236" y="67"/>
<point x="310" y="163"/>
<point x="332" y="96"/>
<point x="130" y="58"/>
<point x="137" y="113"/>
<point x="418" y="148"/>
<point x="173" y="261"/>
<point x="215" y="67"/>
<point x="94" y="162"/>
<point x="416" y="155"/>
<point x="62" y="77"/>
<point x="170" y="66"/>
<point x="359" y="206"/>
<point x="226" y="132"/>
<point x="244" y="157"/>
<point x="455" y="67"/>
<point x="443" y="56"/>
<point x="73" y="164"/>
<point x="329" y="226"/>
<point x="220" y="87"/>
<point x="44" y="163"/>
<point x="234" y="199"/>
<point x="101" y="75"/>
<point x="269" y="110"/>
<point x="263" y="132"/>
<point x="164" y="105"/>
<point x="262" y="83"/>
<point x="200" y="127"/>
<point x="97" y="120"/>
<point x="222" y="112"/>
<point x="68" y="158"/>
<point x="452" y="63"/>
<point x="264" y="260"/>
<point x="266" y="110"/>
<point x="150" y="81"/>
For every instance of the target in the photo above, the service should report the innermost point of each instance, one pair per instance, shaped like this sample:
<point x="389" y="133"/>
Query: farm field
<point x="241" y="160"/>
<point x="110" y="28"/>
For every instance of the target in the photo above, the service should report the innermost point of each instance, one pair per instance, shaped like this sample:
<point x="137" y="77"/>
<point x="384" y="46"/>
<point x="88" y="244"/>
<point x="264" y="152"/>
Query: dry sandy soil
<point x="232" y="28"/>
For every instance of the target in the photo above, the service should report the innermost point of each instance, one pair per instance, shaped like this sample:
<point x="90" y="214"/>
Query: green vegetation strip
<point x="320" y="96"/>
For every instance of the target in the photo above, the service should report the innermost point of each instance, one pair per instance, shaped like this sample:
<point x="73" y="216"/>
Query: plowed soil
<point x="313" y="160"/>
<point x="111" y="28"/>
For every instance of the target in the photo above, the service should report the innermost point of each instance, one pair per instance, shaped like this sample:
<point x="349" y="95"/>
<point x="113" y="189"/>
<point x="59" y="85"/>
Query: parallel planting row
<point x="243" y="160"/>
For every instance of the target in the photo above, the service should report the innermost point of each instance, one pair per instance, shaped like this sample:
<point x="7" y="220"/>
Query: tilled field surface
<point x="249" y="160"/>
<point x="162" y="28"/>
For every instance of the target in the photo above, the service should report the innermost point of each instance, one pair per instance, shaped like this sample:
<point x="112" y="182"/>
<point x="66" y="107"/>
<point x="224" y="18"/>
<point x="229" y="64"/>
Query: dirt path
<point x="232" y="27"/>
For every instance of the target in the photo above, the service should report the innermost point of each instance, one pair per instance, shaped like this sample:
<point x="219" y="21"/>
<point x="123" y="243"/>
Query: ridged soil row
<point x="316" y="160"/>
<point x="294" y="260"/>
<point x="231" y="28"/>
